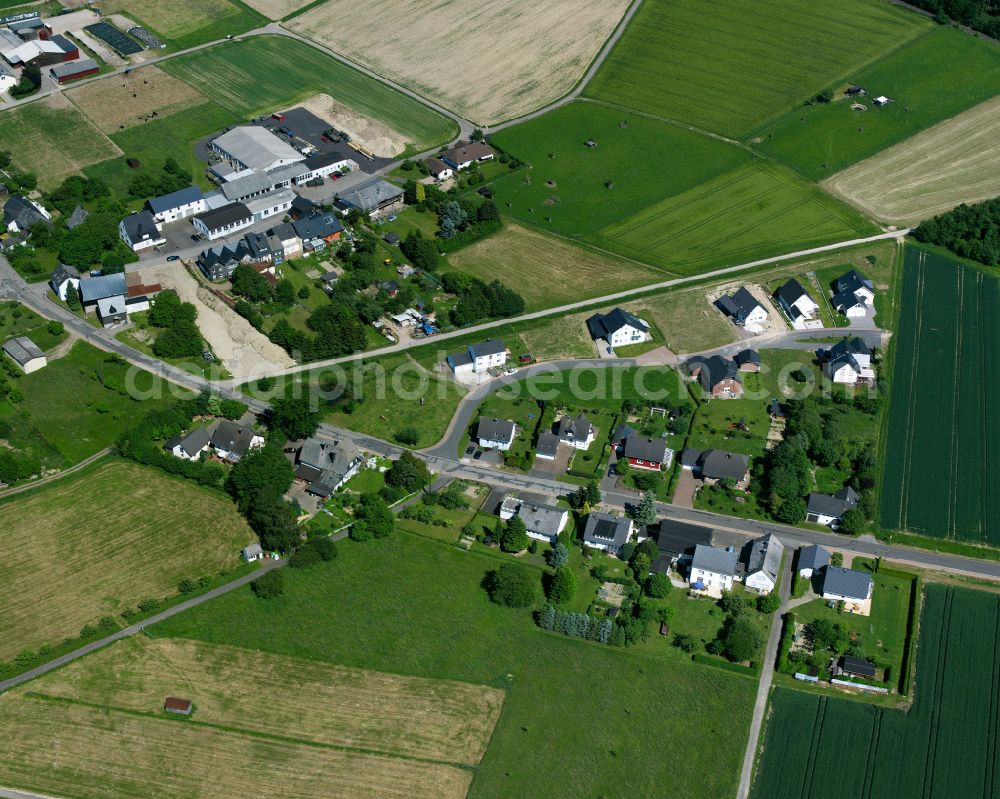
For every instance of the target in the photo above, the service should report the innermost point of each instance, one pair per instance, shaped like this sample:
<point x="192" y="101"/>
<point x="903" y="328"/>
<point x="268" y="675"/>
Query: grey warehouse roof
<point x="175" y="199"/>
<point x="22" y="349"/>
<point x="256" y="147"/>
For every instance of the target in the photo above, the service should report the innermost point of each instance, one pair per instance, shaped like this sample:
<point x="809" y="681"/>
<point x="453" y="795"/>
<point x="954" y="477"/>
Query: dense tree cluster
<point x="293" y="416"/>
<point x="409" y="473"/>
<point x="578" y="625"/>
<point x="971" y="231"/>
<point x="171" y="177"/>
<point x="31" y="81"/>
<point x="981" y="15"/>
<point x="180" y="337"/>
<point x="372" y="518"/>
<point x="512" y="585"/>
<point x="739" y="639"/>
<point x="258" y="483"/>
<point x="478" y="300"/>
<point x="76" y="190"/>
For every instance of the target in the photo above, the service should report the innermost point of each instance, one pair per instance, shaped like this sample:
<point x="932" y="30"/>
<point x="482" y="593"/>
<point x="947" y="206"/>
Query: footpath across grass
<point x="578" y="718"/>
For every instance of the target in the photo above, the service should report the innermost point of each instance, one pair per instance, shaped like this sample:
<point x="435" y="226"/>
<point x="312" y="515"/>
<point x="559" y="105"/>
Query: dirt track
<point x="956" y="161"/>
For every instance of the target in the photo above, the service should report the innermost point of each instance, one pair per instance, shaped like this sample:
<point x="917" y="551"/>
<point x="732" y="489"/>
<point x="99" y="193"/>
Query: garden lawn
<point x="265" y="73"/>
<point x="929" y="80"/>
<point x="99" y="542"/>
<point x="19" y="320"/>
<point x="729" y="66"/>
<point x="434" y="620"/>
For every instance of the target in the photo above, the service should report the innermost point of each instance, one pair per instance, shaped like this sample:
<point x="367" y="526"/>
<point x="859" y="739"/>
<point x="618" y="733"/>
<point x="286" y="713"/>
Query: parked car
<point x="469" y="450"/>
<point x="477" y="456"/>
<point x="173" y="257"/>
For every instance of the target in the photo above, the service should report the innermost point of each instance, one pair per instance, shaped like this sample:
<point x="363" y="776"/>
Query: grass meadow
<point x="930" y="79"/>
<point x="943" y="440"/>
<point x="181" y="24"/>
<point x="730" y="66"/>
<point x="98" y="542"/>
<point x="944" y="746"/>
<point x="265" y="73"/>
<point x="424" y="614"/>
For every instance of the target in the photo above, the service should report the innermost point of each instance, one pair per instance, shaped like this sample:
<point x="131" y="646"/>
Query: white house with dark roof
<point x="65" y="278"/>
<point x="462" y="155"/>
<point x="744" y="309"/>
<point x="20" y="213"/>
<point x="829" y="509"/>
<point x="618" y="328"/>
<point x="764" y="563"/>
<point x="712" y="465"/>
<point x="25" y="353"/>
<point x="811" y="559"/>
<point x="232" y="441"/>
<point x="543" y="522"/>
<point x="141" y="232"/>
<point x="800" y="307"/>
<point x="223" y="221"/>
<point x="189" y="447"/>
<point x="496" y="433"/>
<point x="712" y="570"/>
<point x="851" y="587"/>
<point x="577" y="431"/>
<point x="480" y="357"/>
<point x="849" y="362"/>
<point x="252" y="552"/>
<point x="177" y="205"/>
<point x="607" y="532"/>
<point x="547" y="446"/>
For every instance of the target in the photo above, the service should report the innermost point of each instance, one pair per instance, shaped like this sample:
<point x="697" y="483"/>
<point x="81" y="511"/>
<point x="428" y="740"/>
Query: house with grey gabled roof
<point x="327" y="465"/>
<point x="763" y="563"/>
<point x="177" y="204"/>
<point x="712" y="465"/>
<point x="479" y="357"/>
<point x="93" y="289"/>
<point x="846" y="585"/>
<point x="371" y="197"/>
<point x="576" y="431"/>
<point x="712" y="569"/>
<point x="20" y="213"/>
<point x="542" y="521"/>
<point x="796" y="302"/>
<point x="231" y="441"/>
<point x="607" y="532"/>
<point x="189" y="447"/>
<point x="618" y="328"/>
<point x="829" y="509"/>
<point x="77" y="218"/>
<point x="547" y="446"/>
<point x="252" y="552"/>
<point x="65" y="278"/>
<point x="493" y="433"/>
<point x="141" y="232"/>
<point x="811" y="559"/>
<point x="744" y="309"/>
<point x="853" y="282"/>
<point x="25" y="353"/>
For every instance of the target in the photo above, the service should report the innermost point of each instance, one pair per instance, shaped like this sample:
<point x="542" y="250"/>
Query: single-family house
<point x="882" y="101"/>
<point x="856" y="667"/>
<point x="650" y="454"/>
<point x="763" y="563"/>
<point x="259" y="251"/>
<point x="438" y="169"/>
<point x="712" y="465"/>
<point x="744" y="309"/>
<point x="20" y="213"/>
<point x="618" y="328"/>
<point x="796" y="302"/>
<point x="94" y="289"/>
<point x="464" y="154"/>
<point x="853" y="282"/>
<point x="25" y="353"/>
<point x="846" y="585"/>
<point x="849" y="362"/>
<point x="850" y="305"/>
<point x="65" y="278"/>
<point x="481" y="357"/>
<point x="829" y="509"/>
<point x="77" y="218"/>
<point x="495" y="433"/>
<point x="547" y="446"/>
<point x="811" y="559"/>
<point x="327" y="465"/>
<point x="607" y="532"/>
<point x="220" y="261"/>
<point x="323" y="226"/>
<point x="747" y="360"/>
<point x="291" y="243"/>
<point x="231" y="441"/>
<point x="718" y="376"/>
<point x="712" y="569"/>
<point x="178" y="204"/>
<point x="140" y="232"/>
<point x="223" y="221"/>
<point x="112" y="311"/>
<point x="371" y="197"/>
<point x="189" y="447"/>
<point x="252" y="552"/>
<point x="543" y="522"/>
<point x="576" y="431"/>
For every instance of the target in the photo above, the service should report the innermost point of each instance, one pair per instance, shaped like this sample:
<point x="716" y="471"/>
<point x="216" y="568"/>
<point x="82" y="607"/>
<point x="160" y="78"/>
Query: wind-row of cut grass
<point x="563" y="731"/>
<point x="266" y="73"/>
<point x="928" y="80"/>
<point x="943" y="446"/>
<point x="98" y="542"/>
<point x="944" y="746"/>
<point x="728" y="66"/>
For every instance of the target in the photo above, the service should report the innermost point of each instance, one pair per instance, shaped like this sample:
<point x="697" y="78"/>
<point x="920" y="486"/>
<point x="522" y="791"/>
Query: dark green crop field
<point x="944" y="746"/>
<point x="731" y="65"/>
<point x="943" y="449"/>
<point x="928" y="80"/>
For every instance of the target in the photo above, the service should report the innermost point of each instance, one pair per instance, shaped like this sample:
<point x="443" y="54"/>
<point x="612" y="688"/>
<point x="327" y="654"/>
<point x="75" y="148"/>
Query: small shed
<point x="881" y="101"/>
<point x="252" y="553"/>
<point x="182" y="707"/>
<point x="858" y="667"/>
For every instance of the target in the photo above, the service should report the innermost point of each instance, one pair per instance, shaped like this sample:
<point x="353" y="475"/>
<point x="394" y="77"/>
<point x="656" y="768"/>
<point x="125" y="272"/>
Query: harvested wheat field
<point x="122" y="101"/>
<point x="98" y="542"/>
<point x="277" y="9"/>
<point x="369" y="133"/>
<point x="243" y="350"/>
<point x="64" y="749"/>
<point x="440" y="720"/>
<point x="954" y="162"/>
<point x="486" y="61"/>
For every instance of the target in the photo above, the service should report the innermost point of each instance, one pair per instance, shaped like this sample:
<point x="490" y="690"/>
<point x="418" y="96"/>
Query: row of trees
<point x="971" y="231"/>
<point x="577" y="625"/>
<point x="981" y="15"/>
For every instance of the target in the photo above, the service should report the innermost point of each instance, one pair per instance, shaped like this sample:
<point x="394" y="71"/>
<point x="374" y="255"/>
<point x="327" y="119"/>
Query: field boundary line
<point x="955" y="399"/>
<point x="155" y="716"/>
<point x="935" y="699"/>
<point x="904" y="490"/>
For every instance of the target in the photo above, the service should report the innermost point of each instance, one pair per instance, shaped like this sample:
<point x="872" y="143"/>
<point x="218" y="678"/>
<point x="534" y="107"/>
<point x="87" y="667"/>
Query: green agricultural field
<point x="943" y="442"/>
<point x="182" y="24"/>
<point x="944" y="746"/>
<point x="729" y="66"/>
<point x="98" y="542"/>
<point x="929" y="80"/>
<point x="753" y="212"/>
<point x="265" y="73"/>
<point x="53" y="139"/>
<point x="153" y="142"/>
<point x="567" y="179"/>
<point x="436" y="621"/>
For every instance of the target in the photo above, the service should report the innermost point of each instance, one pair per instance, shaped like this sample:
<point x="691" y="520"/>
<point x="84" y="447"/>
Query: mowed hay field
<point x="546" y="270"/>
<point x="446" y="721"/>
<point x="53" y="139"/>
<point x="266" y="73"/>
<point x="942" y="452"/>
<point x="182" y="24"/>
<point x="730" y="65"/>
<point x="752" y="212"/>
<point x="122" y="101"/>
<point x="930" y="79"/>
<point x="65" y="749"/>
<point x="487" y="61"/>
<point x="944" y="746"/>
<point x="437" y="623"/>
<point x="277" y="9"/>
<point x="954" y="162"/>
<point x="103" y="540"/>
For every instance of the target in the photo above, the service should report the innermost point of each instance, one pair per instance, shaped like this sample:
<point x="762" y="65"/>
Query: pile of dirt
<point x="373" y="136"/>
